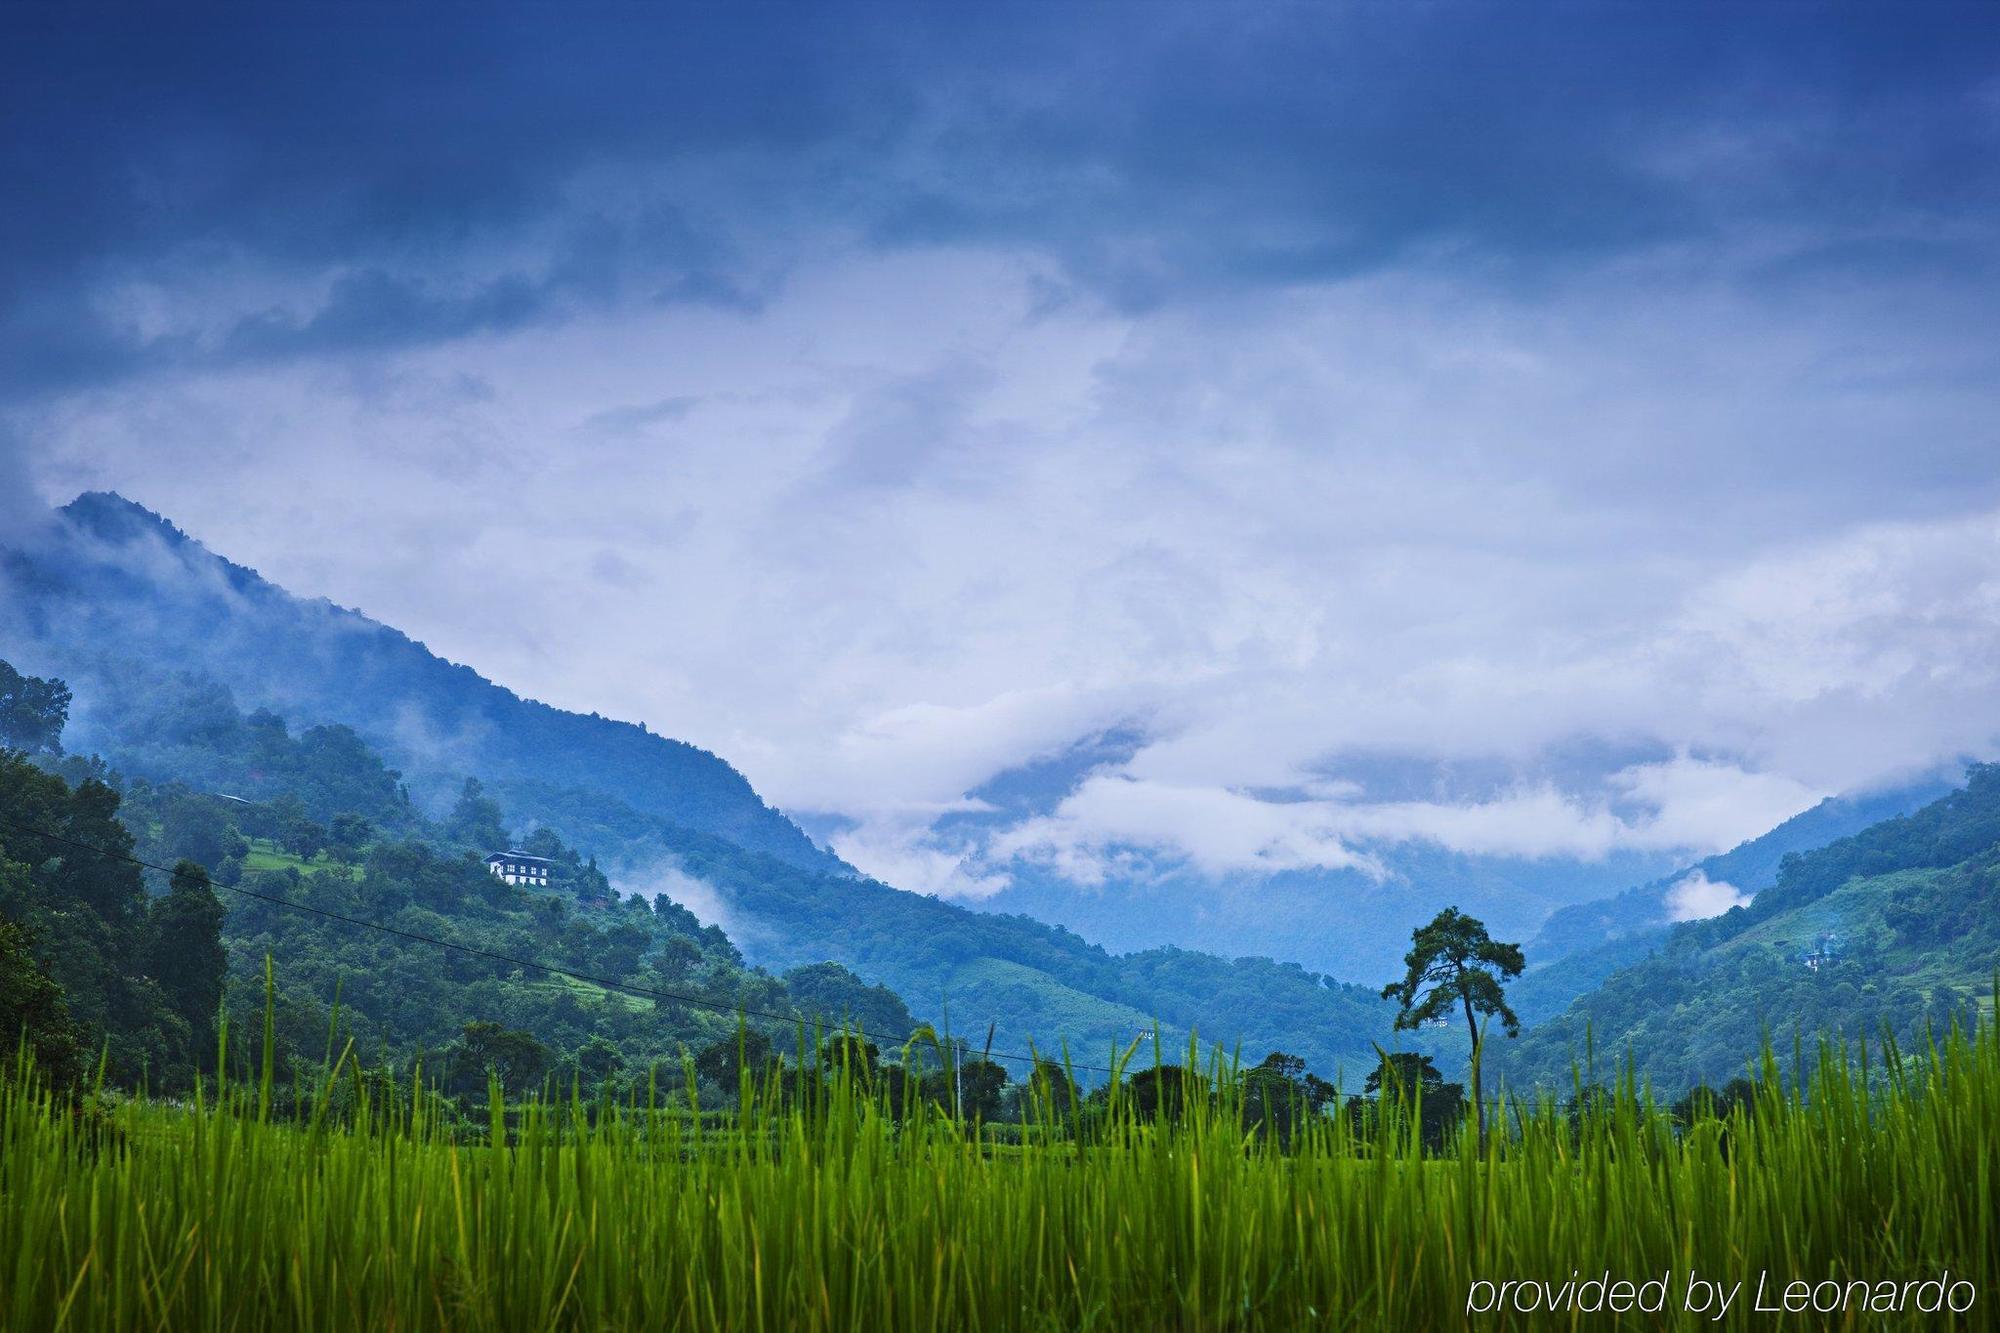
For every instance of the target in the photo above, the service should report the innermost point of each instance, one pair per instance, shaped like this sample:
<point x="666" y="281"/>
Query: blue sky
<point x="1551" y="432"/>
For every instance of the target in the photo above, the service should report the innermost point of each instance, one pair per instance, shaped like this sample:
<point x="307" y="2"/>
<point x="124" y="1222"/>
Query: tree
<point x="832" y="994"/>
<point x="1454" y="963"/>
<point x="349" y="834"/>
<point x="186" y="957"/>
<point x="1404" y="1072"/>
<point x="1408" y="1079"/>
<point x="194" y="830"/>
<point x="676" y="960"/>
<point x="86" y="914"/>
<point x="32" y="712"/>
<point x="597" y="1062"/>
<point x="1164" y="1091"/>
<point x="32" y="1010"/>
<point x="488" y="1049"/>
<point x="981" y="1085"/>
<point x="476" y="820"/>
<point x="302" y="837"/>
<point x="723" y="1062"/>
<point x="1274" y="1094"/>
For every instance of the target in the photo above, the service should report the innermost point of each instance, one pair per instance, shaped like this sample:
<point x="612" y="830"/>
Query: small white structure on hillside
<point x="521" y="868"/>
<point x="1826" y="949"/>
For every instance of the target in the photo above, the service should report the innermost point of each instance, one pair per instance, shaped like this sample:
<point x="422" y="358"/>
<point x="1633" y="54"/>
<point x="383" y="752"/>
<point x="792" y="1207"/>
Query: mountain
<point x="1748" y="869"/>
<point x="1344" y="922"/>
<point x="1578" y="947"/>
<point x="1891" y="928"/>
<point x="338" y="837"/>
<point x="111" y="586"/>
<point x="113" y="583"/>
<point x="167" y="646"/>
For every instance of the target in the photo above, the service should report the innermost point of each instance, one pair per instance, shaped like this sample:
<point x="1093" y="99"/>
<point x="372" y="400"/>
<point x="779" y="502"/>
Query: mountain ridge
<point x="113" y="574"/>
<point x="1887" y="929"/>
<point x="1750" y="866"/>
<point x="95" y="579"/>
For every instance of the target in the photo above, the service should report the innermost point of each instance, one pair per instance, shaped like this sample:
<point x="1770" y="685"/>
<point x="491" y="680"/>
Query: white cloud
<point x="1538" y="823"/>
<point x="689" y="891"/>
<point x="1679" y="805"/>
<point x="1220" y="832"/>
<point x="1695" y="897"/>
<point x="900" y="851"/>
<point x="1707" y="806"/>
<point x="1403" y="515"/>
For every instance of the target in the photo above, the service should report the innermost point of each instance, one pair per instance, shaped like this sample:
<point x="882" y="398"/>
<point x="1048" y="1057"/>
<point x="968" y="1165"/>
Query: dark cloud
<point x="424" y="162"/>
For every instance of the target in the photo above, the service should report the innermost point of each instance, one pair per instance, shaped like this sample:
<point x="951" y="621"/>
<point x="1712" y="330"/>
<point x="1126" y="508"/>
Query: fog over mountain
<point x="1100" y="485"/>
<point x="123" y="604"/>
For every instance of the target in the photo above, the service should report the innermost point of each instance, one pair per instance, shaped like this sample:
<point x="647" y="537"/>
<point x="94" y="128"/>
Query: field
<point x="363" y="1209"/>
<point x="267" y="855"/>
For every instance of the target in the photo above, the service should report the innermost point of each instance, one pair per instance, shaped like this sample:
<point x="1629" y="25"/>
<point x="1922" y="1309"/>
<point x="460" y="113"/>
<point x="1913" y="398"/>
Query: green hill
<point x="300" y="866"/>
<point x="1891" y="929"/>
<point x="178" y="738"/>
<point x="1036" y="982"/>
<point x="1580" y="946"/>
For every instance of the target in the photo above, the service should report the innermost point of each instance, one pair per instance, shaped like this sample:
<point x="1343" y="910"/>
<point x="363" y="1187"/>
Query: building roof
<point x="521" y="857"/>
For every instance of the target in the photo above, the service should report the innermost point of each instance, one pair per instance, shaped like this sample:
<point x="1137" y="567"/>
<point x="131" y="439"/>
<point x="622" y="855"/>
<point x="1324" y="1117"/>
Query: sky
<point x="1261" y="434"/>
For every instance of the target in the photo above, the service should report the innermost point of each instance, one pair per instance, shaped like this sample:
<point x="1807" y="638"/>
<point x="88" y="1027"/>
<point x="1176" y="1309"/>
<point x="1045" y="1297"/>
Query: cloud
<point x="373" y="308"/>
<point x="22" y="510"/>
<point x="1275" y="537"/>
<point x="901" y="851"/>
<point x="1695" y="896"/>
<point x="1114" y="824"/>
<point x="1219" y="832"/>
<point x="451" y="176"/>
<point x="689" y="891"/>
<point x="639" y="416"/>
<point x="1706" y="805"/>
<point x="889" y="401"/>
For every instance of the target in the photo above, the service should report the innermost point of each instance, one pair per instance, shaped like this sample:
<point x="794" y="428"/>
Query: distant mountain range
<point x="1749" y="869"/>
<point x="1883" y="932"/>
<point x="1578" y="947"/>
<point x="133" y="612"/>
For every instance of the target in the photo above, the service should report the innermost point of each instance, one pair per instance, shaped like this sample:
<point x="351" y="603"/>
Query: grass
<point x="588" y="992"/>
<point x="364" y="1210"/>
<point x="267" y="855"/>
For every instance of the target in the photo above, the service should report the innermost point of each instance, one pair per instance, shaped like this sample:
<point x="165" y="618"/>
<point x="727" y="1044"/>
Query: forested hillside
<point x="111" y="584"/>
<point x="1896" y="926"/>
<point x="185" y="663"/>
<point x="1579" y="947"/>
<point x="1037" y="982"/>
<point x="1750" y="867"/>
<point x="327" y="839"/>
<point x="317" y="816"/>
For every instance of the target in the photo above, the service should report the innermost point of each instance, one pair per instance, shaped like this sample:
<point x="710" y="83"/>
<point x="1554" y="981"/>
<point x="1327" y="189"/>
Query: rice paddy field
<point x="360" y="1209"/>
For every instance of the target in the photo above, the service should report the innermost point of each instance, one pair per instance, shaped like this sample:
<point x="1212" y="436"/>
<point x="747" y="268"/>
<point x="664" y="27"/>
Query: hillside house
<point x="1824" y="950"/>
<point x="521" y="868"/>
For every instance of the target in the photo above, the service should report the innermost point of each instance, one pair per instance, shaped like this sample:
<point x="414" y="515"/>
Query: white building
<point x="521" y="868"/>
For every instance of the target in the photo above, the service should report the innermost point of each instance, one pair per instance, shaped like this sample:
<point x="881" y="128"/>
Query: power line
<point x="549" y="968"/>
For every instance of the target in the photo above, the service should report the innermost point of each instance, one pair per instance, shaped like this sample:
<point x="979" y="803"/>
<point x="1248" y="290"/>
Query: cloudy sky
<point x="1260" y="434"/>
